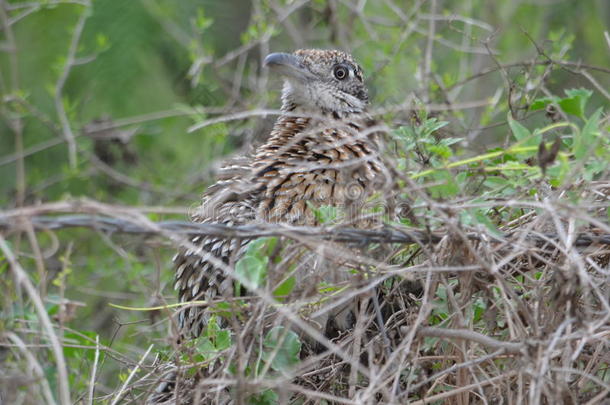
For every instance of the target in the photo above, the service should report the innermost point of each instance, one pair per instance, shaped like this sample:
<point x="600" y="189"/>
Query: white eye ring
<point x="341" y="72"/>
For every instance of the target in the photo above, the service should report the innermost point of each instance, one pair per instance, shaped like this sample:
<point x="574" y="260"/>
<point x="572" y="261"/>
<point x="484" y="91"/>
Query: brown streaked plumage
<point x="321" y="151"/>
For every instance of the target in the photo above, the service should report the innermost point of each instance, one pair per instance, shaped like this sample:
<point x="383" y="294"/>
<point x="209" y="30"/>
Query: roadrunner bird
<point x="323" y="150"/>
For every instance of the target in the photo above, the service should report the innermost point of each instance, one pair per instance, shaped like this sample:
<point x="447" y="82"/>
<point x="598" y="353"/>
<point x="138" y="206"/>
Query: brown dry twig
<point x="11" y="221"/>
<point x="21" y="276"/>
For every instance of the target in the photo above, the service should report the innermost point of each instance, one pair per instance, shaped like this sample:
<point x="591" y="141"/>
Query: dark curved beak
<point x="287" y="64"/>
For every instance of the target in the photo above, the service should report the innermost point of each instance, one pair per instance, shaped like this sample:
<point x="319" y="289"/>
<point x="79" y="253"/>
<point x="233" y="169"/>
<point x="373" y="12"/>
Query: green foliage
<point x="267" y="397"/>
<point x="420" y="143"/>
<point x="325" y="214"/>
<point x="574" y="103"/>
<point x="281" y="348"/>
<point x="285" y="288"/>
<point x="420" y="139"/>
<point x="524" y="136"/>
<point x="280" y="353"/>
<point x="251" y="269"/>
<point x="211" y="343"/>
<point x="584" y="151"/>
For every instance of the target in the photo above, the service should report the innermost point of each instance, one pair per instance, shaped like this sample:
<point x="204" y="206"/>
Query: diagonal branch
<point x="22" y="278"/>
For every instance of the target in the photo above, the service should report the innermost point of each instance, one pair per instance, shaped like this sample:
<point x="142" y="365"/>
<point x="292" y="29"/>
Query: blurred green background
<point x="144" y="71"/>
<point x="162" y="57"/>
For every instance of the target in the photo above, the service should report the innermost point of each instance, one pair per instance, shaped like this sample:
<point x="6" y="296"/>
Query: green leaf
<point x="261" y="247"/>
<point x="282" y="347"/>
<point x="251" y="271"/>
<point x="450" y="141"/>
<point x="201" y="21"/>
<point x="441" y="150"/>
<point x="448" y="188"/>
<point x="586" y="139"/>
<point x="267" y="397"/>
<point x="479" y="310"/>
<point x="592" y="169"/>
<point x="212" y="327"/>
<point x="460" y="179"/>
<point x="224" y="309"/>
<point x="576" y="101"/>
<point x="324" y="214"/>
<point x="495" y="182"/>
<point x="519" y="131"/>
<point x="285" y="288"/>
<point x="213" y="340"/>
<point x="205" y="347"/>
<point x="541" y="103"/>
<point x="571" y="105"/>
<point x="524" y="137"/>
<point x="477" y="216"/>
<point x="223" y="339"/>
<point x="433" y="125"/>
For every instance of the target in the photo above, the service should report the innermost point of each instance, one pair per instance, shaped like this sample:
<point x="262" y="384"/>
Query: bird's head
<point x="320" y="81"/>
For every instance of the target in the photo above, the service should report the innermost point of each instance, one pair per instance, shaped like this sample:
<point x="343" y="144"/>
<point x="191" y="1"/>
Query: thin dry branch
<point x="94" y="369"/>
<point x="466" y="388"/>
<point x="387" y="234"/>
<point x="59" y="87"/>
<point x="119" y="395"/>
<point x="21" y="276"/>
<point x="15" y="123"/>
<point x="465" y="334"/>
<point x="35" y="366"/>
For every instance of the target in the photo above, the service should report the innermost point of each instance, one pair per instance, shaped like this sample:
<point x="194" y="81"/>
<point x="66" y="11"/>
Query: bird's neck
<point x="298" y="124"/>
<point x="301" y="100"/>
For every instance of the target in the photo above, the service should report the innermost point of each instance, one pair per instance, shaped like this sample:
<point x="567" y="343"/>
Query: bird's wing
<point x="200" y="268"/>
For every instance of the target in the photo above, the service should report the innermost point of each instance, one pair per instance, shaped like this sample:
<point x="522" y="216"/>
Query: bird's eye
<point x="340" y="72"/>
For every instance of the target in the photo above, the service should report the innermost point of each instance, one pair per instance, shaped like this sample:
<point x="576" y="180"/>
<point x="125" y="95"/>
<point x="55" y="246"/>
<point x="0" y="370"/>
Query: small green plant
<point x="251" y="269"/>
<point x="280" y="347"/>
<point x="557" y="153"/>
<point x="212" y="342"/>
